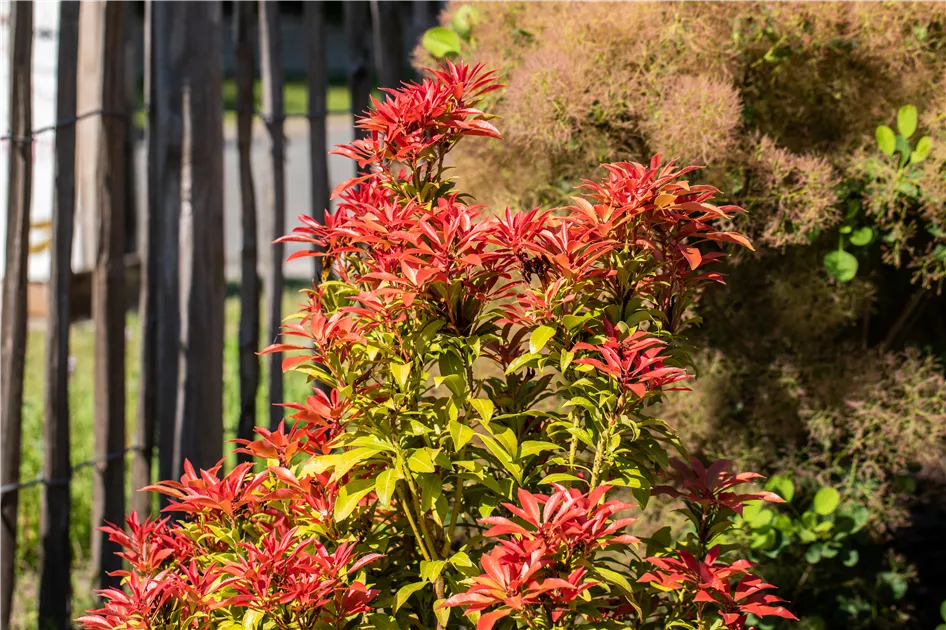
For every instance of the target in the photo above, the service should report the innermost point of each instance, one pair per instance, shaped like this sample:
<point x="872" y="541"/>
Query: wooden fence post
<point x="147" y="306"/>
<point x="317" y="83"/>
<point x="248" y="339"/>
<point x="358" y="34"/>
<point x="199" y="419"/>
<point x="56" y="557"/>
<point x="108" y="295"/>
<point x="388" y="41"/>
<point x="13" y="328"/>
<point x="161" y="313"/>
<point x="424" y="14"/>
<point x="271" y="64"/>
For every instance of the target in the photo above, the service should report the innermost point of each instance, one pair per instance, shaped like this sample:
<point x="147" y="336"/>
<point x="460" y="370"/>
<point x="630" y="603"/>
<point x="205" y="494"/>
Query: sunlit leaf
<point x="840" y="265"/>
<point x="906" y="120"/>
<point x="441" y="42"/>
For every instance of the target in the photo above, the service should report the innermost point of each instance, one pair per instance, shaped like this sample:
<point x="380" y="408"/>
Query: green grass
<point x="295" y="100"/>
<point x="81" y="413"/>
<point x="295" y="95"/>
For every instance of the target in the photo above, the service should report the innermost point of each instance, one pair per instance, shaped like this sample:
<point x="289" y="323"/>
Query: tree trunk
<point x="199" y="418"/>
<point x="358" y="34"/>
<point x="13" y="327"/>
<point x="55" y="563"/>
<point x="249" y="275"/>
<point x="271" y="62"/>
<point x="388" y="41"/>
<point x="108" y="296"/>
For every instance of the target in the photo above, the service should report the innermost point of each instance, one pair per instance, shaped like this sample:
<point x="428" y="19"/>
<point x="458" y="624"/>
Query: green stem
<point x="457" y="505"/>
<point x="573" y="446"/>
<point x="599" y="458"/>
<point x="422" y="520"/>
<point x="410" y="519"/>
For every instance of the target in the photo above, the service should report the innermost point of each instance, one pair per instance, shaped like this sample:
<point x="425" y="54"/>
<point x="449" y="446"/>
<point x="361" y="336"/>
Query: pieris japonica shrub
<point x="479" y="435"/>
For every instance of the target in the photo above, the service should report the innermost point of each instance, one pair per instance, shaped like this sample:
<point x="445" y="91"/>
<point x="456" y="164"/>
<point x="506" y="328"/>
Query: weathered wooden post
<point x="317" y="83"/>
<point x="160" y="299"/>
<point x="13" y="327"/>
<point x="55" y="583"/>
<point x="358" y="34"/>
<point x="199" y="417"/>
<point x="249" y="274"/>
<point x="108" y="290"/>
<point x="271" y="63"/>
<point x="388" y="29"/>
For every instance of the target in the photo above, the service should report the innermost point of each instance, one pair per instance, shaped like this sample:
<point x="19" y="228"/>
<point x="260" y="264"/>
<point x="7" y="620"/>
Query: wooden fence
<point x="182" y="290"/>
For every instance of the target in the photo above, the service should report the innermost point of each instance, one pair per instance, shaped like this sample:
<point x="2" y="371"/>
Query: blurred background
<point x="152" y="151"/>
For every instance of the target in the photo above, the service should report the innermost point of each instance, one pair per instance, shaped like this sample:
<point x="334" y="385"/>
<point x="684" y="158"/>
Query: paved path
<point x="297" y="185"/>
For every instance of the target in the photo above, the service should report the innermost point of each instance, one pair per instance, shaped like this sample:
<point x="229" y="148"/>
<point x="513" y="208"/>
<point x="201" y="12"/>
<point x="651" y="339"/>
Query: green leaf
<point x="406" y="591"/>
<point x="456" y="384"/>
<point x="813" y="554"/>
<point x="851" y="556"/>
<point x="566" y="359"/>
<point x="251" y="619"/>
<point x="942" y="610"/>
<point x="431" y="487"/>
<point x="464" y="20"/>
<point x="507" y="438"/>
<point x="380" y="621"/>
<point x="827" y="501"/>
<point x="460" y="434"/>
<point x="343" y="462"/>
<point x="896" y="582"/>
<point x="539" y="337"/>
<point x="420" y="461"/>
<point x="401" y="372"/>
<point x="430" y="569"/>
<point x="460" y="560"/>
<point x="922" y="150"/>
<point x="906" y="120"/>
<point x="521" y="360"/>
<point x="484" y="407"/>
<point x="862" y="236"/>
<point x="909" y="189"/>
<point x="781" y="486"/>
<point x="386" y="484"/>
<point x="442" y="614"/>
<point x="616" y="578"/>
<point x="449" y="363"/>
<point x="840" y="265"/>
<point x="349" y="496"/>
<point x="762" y="518"/>
<point x="571" y="321"/>
<point x="886" y="139"/>
<point x="441" y="42"/>
<point x="532" y="447"/>
<point x="502" y="456"/>
<point x="903" y="148"/>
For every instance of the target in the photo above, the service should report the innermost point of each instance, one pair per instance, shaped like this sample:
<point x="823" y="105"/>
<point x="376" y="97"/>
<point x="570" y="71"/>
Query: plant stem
<point x="410" y="519"/>
<point x="422" y="521"/>
<point x="457" y="505"/>
<point x="573" y="445"/>
<point x="599" y="458"/>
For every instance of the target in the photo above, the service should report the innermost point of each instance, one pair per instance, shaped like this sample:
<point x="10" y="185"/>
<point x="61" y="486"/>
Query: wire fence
<point x="39" y="480"/>
<point x="267" y="119"/>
